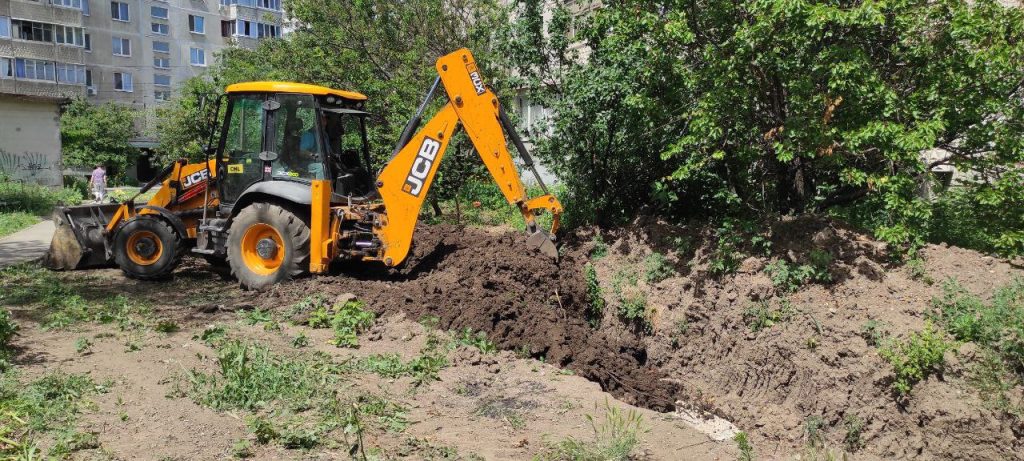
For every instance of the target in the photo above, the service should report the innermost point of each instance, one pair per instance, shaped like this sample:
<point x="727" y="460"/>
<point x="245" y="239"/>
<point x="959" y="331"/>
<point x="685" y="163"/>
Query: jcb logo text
<point x="421" y="167"/>
<point x="195" y="178"/>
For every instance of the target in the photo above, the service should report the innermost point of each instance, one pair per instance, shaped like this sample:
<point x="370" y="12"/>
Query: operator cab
<point x="281" y="131"/>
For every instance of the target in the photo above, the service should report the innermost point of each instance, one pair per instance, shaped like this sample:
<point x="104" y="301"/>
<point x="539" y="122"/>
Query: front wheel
<point x="267" y="244"/>
<point x="147" y="248"/>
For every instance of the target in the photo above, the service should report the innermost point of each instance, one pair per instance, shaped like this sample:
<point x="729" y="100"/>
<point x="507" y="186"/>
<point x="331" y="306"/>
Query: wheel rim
<point x="144" y="248"/>
<point x="262" y="249"/>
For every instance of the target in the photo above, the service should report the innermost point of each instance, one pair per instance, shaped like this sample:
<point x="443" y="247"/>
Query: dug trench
<point x="525" y="302"/>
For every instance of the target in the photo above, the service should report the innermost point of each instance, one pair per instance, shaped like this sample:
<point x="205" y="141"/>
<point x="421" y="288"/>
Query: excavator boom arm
<point x="403" y="184"/>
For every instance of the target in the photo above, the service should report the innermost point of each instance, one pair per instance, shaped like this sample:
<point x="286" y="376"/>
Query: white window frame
<point x="130" y="88"/>
<point x="6" y="68"/>
<point x="122" y="41"/>
<point x="158" y="50"/>
<point x="162" y="95"/>
<point x="192" y="56"/>
<point x="68" y="4"/>
<point x="165" y="85"/>
<point x="77" y="35"/>
<point x="194" y="20"/>
<point x="161" y="62"/>
<point x="36" y="63"/>
<point x="127" y="12"/>
<point x="153" y="8"/>
<point x="164" y="28"/>
<point x="5" y="27"/>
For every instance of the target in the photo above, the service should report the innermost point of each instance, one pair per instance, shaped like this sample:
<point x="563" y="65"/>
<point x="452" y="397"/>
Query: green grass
<point x="295" y="400"/>
<point x="997" y="327"/>
<point x="916" y="358"/>
<point x="478" y="340"/>
<point x="424" y="368"/>
<point x="14" y="221"/>
<point x="790" y="277"/>
<point x="657" y="268"/>
<point x="616" y="438"/>
<point x="633" y="305"/>
<point x="45" y="409"/>
<point x="34" y="199"/>
<point x="8" y="329"/>
<point x="743" y="444"/>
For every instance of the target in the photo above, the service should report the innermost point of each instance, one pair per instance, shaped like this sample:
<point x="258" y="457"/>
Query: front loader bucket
<point x="79" y="242"/>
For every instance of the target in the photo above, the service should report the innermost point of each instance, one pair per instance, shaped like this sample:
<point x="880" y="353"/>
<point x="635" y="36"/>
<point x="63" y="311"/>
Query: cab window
<point x="298" y="138"/>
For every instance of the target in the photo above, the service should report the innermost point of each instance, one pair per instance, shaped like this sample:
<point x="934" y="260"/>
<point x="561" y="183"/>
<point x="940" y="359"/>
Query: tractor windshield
<point x="347" y="150"/>
<point x="298" y="138"/>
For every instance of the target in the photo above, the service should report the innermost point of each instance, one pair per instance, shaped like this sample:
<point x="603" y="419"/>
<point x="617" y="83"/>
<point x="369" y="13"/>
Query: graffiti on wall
<point x="34" y="167"/>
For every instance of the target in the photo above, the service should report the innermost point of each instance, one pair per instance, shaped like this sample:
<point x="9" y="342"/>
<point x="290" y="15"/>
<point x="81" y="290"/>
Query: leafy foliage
<point x="790" y="277"/>
<point x="98" y="134"/>
<point x="33" y="198"/>
<point x="44" y="409"/>
<point x="347" y="319"/>
<point x="916" y="358"/>
<point x="595" y="295"/>
<point x="15" y="221"/>
<point x="657" y="268"/>
<point x="762" y="316"/>
<point x="763" y="107"/>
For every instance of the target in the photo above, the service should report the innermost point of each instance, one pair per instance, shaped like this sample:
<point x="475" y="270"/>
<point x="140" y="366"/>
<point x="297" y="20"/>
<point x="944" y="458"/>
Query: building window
<point x="122" y="46"/>
<point x="70" y="73"/>
<point x="197" y="56"/>
<point x="267" y="30"/>
<point x="158" y="12"/>
<point x="88" y="42"/>
<point x="6" y="69"/>
<point x="32" y="69"/>
<point x="5" y="27"/>
<point x="68" y="35"/>
<point x="162" y="95"/>
<point x="34" y="31"/>
<point x="162" y="62"/>
<point x="269" y="4"/>
<point x="161" y="47"/>
<point x="161" y="80"/>
<point x="123" y="81"/>
<point x="119" y="11"/>
<point x="159" y="28"/>
<point x="88" y="78"/>
<point x="196" y="25"/>
<point x="76" y="4"/>
<point x="85" y="7"/>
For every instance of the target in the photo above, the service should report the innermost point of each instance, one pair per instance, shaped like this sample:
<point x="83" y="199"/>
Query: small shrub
<point x="595" y="295"/>
<point x="166" y="327"/>
<point x="83" y="345"/>
<point x="873" y="332"/>
<point x="727" y="255"/>
<point x="8" y="329"/>
<point x="478" y="340"/>
<point x="812" y="430"/>
<point x="916" y="358"/>
<point x="211" y="335"/>
<point x="762" y="316"/>
<point x="657" y="268"/>
<point x="300" y="341"/>
<point x="854" y="425"/>
<point x="347" y="319"/>
<point x="632" y="301"/>
<point x="600" y="249"/>
<point x="789" y="277"/>
<point x="743" y="444"/>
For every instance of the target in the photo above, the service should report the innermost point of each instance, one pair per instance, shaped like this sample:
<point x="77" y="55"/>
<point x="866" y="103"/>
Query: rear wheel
<point x="267" y="244"/>
<point x="147" y="248"/>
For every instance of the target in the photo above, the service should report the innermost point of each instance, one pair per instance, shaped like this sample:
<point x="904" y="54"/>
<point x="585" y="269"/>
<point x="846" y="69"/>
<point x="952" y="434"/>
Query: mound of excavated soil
<point x="491" y="282"/>
<point x="813" y="366"/>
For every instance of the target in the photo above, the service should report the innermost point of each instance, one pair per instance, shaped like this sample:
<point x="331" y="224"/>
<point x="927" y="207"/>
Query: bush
<point x="347" y="320"/>
<point x="998" y="325"/>
<point x="657" y="268"/>
<point x="33" y="198"/>
<point x="916" y="358"/>
<point x="595" y="295"/>
<point x="790" y="277"/>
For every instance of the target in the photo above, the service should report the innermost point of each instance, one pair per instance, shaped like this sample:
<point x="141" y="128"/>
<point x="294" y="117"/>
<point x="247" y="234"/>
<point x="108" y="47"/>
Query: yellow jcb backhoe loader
<point x="289" y="188"/>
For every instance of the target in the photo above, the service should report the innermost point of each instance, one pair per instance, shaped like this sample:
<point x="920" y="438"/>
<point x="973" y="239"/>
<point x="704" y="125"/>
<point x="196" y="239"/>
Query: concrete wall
<point x="30" y="140"/>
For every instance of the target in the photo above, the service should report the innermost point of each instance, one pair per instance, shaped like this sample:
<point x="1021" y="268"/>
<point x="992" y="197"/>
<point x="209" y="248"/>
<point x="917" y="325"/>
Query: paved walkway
<point x="26" y="244"/>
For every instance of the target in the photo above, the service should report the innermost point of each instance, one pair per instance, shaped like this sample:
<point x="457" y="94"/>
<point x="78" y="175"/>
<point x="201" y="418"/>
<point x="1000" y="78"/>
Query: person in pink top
<point x="98" y="183"/>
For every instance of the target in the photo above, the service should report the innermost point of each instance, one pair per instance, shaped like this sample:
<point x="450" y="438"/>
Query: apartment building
<point x="138" y="51"/>
<point x="134" y="52"/>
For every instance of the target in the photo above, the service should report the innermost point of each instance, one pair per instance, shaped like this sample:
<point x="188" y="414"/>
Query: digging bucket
<point x="78" y="241"/>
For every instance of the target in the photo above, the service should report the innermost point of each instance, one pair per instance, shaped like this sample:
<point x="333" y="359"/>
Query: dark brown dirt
<point x="491" y="282"/>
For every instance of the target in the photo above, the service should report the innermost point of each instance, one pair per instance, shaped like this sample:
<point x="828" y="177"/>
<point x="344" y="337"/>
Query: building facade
<point x="133" y="52"/>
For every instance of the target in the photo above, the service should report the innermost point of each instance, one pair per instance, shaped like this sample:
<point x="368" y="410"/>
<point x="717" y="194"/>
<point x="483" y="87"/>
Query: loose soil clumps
<point x="524" y="301"/>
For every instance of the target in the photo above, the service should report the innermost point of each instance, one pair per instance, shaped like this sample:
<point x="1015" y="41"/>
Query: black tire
<point x="257" y="272"/>
<point x="147" y="248"/>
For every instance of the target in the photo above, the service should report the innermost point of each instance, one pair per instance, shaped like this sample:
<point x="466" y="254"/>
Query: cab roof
<point x="291" y="87"/>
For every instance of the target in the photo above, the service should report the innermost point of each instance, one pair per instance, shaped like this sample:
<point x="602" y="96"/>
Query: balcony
<point x="44" y="12"/>
<point x="42" y="89"/>
<point x="42" y="50"/>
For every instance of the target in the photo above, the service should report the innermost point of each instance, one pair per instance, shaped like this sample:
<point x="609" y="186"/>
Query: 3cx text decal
<point x="421" y="167"/>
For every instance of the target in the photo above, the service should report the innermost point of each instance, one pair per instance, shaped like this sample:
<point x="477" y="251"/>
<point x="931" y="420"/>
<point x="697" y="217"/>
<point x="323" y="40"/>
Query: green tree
<point x="764" y="107"/>
<point x="98" y="134"/>
<point x="383" y="49"/>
